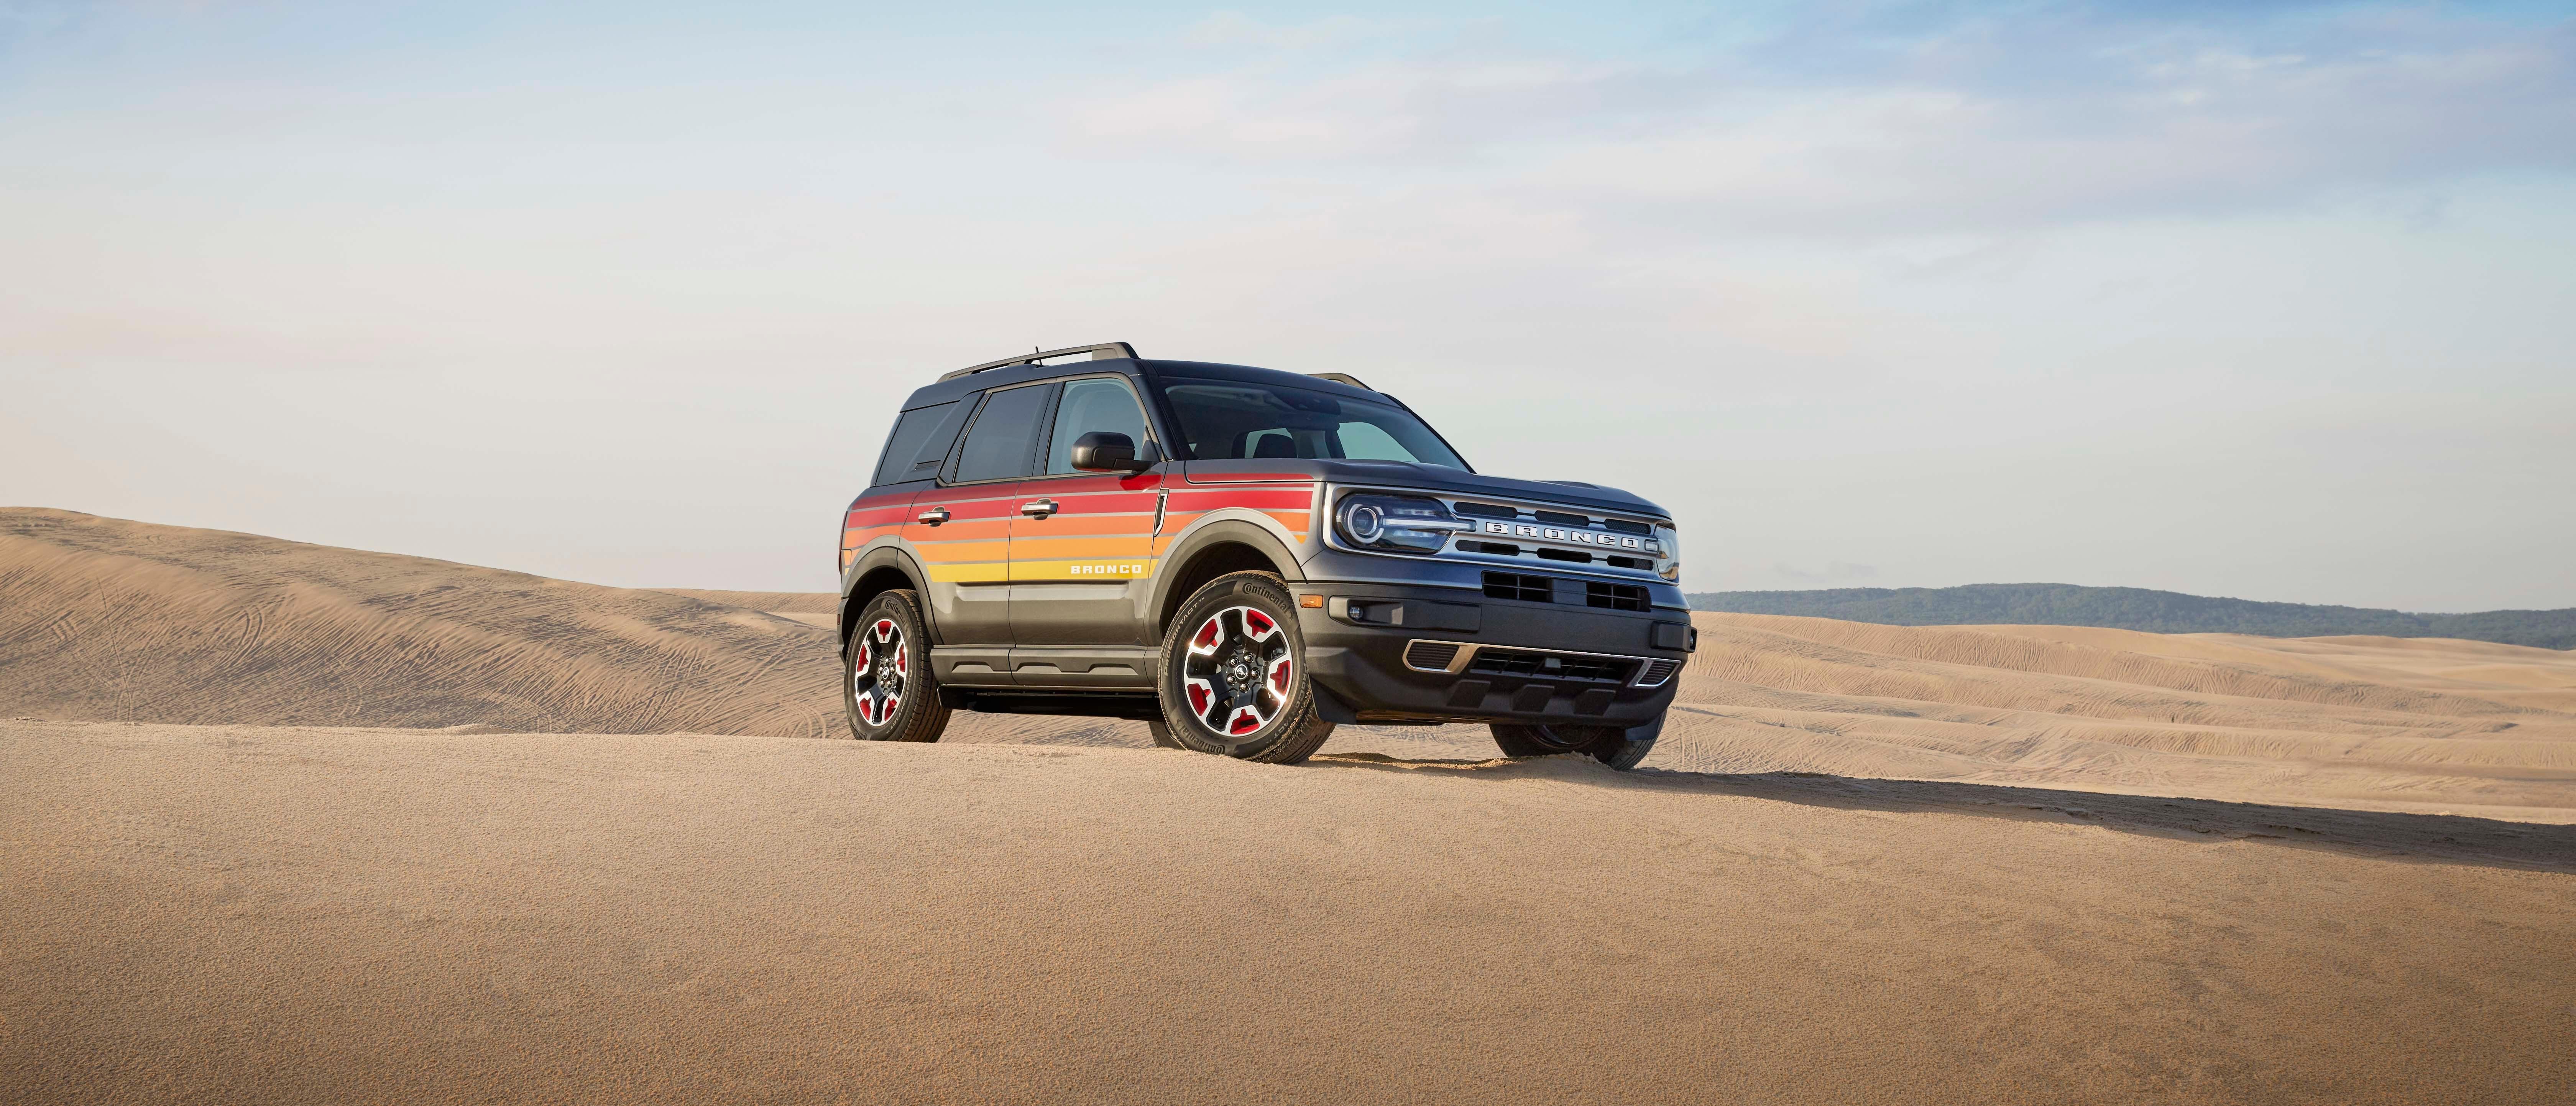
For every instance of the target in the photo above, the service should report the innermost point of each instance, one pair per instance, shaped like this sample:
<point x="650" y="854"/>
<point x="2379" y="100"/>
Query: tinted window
<point x="1088" y="405"/>
<point x="920" y="441"/>
<point x="1226" y="420"/>
<point x="999" y="446"/>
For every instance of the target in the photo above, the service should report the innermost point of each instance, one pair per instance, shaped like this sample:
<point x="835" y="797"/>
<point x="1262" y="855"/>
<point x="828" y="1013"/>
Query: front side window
<point x="1001" y="443"/>
<point x="1228" y="420"/>
<point x="1088" y="405"/>
<point x="920" y="442"/>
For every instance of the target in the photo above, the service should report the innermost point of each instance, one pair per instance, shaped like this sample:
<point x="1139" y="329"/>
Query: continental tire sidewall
<point x="1291" y="735"/>
<point x="918" y="715"/>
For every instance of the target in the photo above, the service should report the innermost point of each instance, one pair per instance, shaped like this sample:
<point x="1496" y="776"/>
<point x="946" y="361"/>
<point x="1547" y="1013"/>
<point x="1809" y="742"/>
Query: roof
<point x="956" y="385"/>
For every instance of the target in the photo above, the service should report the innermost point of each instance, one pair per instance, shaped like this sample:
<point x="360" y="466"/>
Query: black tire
<point x="1228" y="642"/>
<point x="1620" y="748"/>
<point x="1162" y="732"/>
<point x="887" y="690"/>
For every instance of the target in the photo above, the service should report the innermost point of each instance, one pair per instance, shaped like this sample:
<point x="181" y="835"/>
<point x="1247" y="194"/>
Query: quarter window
<point x="920" y="442"/>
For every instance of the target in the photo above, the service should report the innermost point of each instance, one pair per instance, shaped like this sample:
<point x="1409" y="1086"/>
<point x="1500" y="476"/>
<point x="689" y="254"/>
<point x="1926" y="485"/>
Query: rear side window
<point x="1005" y="435"/>
<point x="919" y="443"/>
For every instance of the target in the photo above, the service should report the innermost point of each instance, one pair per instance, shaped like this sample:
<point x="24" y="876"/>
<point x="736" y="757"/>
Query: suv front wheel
<point x="1234" y="674"/>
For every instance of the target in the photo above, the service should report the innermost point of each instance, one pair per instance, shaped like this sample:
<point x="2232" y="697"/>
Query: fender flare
<point x="870" y="562"/>
<point x="1201" y="535"/>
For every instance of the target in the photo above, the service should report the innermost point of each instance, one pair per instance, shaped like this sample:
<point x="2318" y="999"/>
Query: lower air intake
<point x="1531" y="664"/>
<point x="1430" y="656"/>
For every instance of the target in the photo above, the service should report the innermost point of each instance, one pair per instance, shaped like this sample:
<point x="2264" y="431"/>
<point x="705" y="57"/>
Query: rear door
<point x="1082" y="548"/>
<point x="962" y="527"/>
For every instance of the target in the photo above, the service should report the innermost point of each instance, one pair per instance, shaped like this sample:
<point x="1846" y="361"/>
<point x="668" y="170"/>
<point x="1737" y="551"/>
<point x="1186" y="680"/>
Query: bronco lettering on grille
<point x="1573" y="537"/>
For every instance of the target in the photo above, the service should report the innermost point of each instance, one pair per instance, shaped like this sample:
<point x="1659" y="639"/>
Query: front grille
<point x="1624" y="526"/>
<point x="1617" y="597"/>
<point x="1528" y="664"/>
<point x="1430" y="656"/>
<point x="1657" y="672"/>
<point x="1575" y="555"/>
<point x="1513" y="585"/>
<point x="1486" y="510"/>
<point x="1639" y="563"/>
<point x="1560" y="518"/>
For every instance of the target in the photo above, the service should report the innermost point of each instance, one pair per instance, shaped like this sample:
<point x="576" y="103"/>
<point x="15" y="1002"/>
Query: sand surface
<point x="587" y="850"/>
<point x="242" y="914"/>
<point x="110" y="620"/>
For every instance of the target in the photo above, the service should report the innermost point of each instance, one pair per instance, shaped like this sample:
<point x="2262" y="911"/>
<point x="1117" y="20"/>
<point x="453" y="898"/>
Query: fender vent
<point x="1430" y="656"/>
<point x="1656" y="673"/>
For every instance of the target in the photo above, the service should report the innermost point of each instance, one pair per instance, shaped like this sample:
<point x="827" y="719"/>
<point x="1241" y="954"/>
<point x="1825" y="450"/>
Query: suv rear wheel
<point x="1620" y="748"/>
<point x="1234" y="674"/>
<point x="887" y="690"/>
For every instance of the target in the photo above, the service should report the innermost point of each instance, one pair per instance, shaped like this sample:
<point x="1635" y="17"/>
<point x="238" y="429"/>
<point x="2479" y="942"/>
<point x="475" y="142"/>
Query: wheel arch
<point x="1210" y="551"/>
<point x="880" y="571"/>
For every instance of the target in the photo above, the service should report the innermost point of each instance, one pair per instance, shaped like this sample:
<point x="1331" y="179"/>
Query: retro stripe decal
<point x="1103" y="531"/>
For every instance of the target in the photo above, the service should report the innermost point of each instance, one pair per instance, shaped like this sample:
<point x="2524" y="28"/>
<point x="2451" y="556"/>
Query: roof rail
<point x="1101" y="352"/>
<point x="1343" y="378"/>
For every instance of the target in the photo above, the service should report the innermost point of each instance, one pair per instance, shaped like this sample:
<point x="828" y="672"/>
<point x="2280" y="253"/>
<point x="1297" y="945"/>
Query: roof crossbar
<point x="1102" y="352"/>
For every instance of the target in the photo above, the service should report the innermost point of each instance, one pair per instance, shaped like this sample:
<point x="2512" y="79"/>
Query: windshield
<point x="1225" y="420"/>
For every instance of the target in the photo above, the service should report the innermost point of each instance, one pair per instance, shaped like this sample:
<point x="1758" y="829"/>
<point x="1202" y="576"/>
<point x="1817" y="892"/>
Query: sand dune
<point x="813" y="608"/>
<point x="237" y="914"/>
<point x="102" y="619"/>
<point x="108" y="619"/>
<point x="2373" y="723"/>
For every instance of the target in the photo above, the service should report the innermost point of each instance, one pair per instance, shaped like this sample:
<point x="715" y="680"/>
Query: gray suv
<point x="1242" y="558"/>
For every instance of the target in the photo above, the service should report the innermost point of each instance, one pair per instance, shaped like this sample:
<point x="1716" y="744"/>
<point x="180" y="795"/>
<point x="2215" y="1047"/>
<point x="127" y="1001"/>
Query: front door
<point x="1082" y="548"/>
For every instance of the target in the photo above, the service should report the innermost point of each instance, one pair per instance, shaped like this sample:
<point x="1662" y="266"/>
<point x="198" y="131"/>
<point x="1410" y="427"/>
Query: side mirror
<point x="1108" y="451"/>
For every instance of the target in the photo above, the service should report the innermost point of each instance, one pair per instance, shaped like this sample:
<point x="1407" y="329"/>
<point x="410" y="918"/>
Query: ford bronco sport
<point x="1242" y="558"/>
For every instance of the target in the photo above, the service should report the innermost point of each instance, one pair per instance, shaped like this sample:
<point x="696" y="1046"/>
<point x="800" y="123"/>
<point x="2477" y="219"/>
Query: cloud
<point x="1972" y="125"/>
<point x="1233" y="28"/>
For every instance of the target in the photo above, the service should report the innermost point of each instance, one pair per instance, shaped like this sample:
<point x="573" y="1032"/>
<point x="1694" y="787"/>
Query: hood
<point x="1405" y="474"/>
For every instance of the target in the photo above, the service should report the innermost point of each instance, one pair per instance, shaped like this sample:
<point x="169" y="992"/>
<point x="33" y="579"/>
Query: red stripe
<point x="1255" y="498"/>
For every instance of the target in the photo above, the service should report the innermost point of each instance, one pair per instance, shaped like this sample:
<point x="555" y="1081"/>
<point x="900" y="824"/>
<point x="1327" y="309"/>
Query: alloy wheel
<point x="1237" y="672"/>
<point x="878" y="672"/>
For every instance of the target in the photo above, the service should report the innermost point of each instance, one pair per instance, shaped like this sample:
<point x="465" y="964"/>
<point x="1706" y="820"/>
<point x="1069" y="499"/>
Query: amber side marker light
<point x="1310" y="601"/>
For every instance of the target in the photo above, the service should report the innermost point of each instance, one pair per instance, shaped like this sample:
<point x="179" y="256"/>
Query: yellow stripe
<point x="987" y="572"/>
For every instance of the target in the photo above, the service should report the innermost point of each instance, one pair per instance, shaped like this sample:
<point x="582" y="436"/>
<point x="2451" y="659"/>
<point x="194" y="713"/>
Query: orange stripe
<point x="1058" y="549"/>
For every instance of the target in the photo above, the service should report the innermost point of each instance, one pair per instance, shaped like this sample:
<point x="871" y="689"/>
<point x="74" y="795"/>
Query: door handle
<point x="1038" y="508"/>
<point x="935" y="516"/>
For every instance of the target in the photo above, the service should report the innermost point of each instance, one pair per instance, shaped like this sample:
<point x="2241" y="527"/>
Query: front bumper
<point x="1453" y="655"/>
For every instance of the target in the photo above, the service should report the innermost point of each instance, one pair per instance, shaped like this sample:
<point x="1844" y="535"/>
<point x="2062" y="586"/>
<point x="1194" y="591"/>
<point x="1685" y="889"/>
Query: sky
<point x="2265" y="300"/>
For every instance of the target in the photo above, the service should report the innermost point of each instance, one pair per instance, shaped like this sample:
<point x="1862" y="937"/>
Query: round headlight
<point x="1366" y="523"/>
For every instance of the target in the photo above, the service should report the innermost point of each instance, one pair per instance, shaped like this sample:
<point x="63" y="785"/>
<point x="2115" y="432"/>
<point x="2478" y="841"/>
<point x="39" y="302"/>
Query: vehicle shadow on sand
<point x="2444" y="838"/>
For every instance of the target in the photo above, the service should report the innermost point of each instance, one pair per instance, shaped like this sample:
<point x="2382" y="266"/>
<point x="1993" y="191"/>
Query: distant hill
<point x="105" y="619"/>
<point x="2164" y="612"/>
